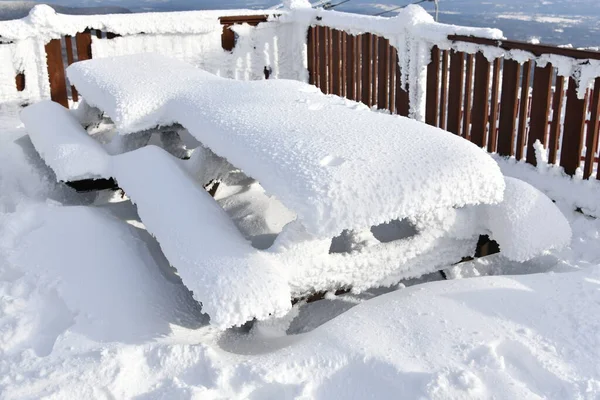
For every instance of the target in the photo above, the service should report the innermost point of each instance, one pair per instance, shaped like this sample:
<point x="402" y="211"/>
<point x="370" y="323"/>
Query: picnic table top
<point x="334" y="162"/>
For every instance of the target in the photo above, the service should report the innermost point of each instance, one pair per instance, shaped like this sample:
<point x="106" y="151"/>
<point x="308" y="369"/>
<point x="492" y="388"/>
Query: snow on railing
<point x="469" y="81"/>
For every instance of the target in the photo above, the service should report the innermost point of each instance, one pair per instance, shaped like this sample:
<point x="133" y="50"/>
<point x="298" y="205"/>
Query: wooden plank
<point x="350" y="67"/>
<point x="432" y="102"/>
<point x="358" y="51"/>
<point x="241" y="19"/>
<point x="524" y="105"/>
<point x="592" y="132"/>
<point x="323" y="54"/>
<point x="56" y="72"/>
<point x="375" y="68"/>
<point x="557" y="105"/>
<point x="383" y="94"/>
<point x="572" y="141"/>
<point x="336" y="62"/>
<point x="310" y="54"/>
<point x="83" y="42"/>
<point x="367" y="69"/>
<point x="70" y="59"/>
<point x="402" y="96"/>
<point x="455" y="91"/>
<point x="317" y="47"/>
<point x="110" y="35"/>
<point x="493" y="130"/>
<point x="98" y="33"/>
<point x="344" y="63"/>
<point x="20" y="81"/>
<point x="508" y="107"/>
<point x="227" y="38"/>
<point x="480" y="100"/>
<point x="330" y="60"/>
<point x="392" y="78"/>
<point x="444" y="90"/>
<point x="536" y="49"/>
<point x="540" y="109"/>
<point x="466" y="128"/>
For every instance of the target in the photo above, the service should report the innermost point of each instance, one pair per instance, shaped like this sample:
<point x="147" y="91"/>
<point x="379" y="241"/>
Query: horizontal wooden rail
<point x="535" y="49"/>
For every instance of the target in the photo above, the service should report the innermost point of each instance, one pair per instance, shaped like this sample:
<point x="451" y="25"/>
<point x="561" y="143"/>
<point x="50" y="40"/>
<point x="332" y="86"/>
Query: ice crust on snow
<point x="57" y="137"/>
<point x="328" y="159"/>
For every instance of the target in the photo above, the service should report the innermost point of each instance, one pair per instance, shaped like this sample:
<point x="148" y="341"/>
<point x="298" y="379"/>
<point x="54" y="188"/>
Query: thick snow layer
<point x="234" y="282"/>
<point x="526" y="223"/>
<point x="58" y="138"/>
<point x="326" y="158"/>
<point x="45" y="22"/>
<point x="89" y="309"/>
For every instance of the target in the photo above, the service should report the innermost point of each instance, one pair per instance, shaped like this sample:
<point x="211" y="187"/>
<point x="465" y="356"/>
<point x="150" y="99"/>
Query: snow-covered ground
<point x="89" y="308"/>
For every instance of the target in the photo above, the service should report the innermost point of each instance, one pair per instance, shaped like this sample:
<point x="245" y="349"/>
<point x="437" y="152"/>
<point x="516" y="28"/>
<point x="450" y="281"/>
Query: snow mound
<point x="526" y="223"/>
<point x="328" y="159"/>
<point x="234" y="282"/>
<point x="58" y="137"/>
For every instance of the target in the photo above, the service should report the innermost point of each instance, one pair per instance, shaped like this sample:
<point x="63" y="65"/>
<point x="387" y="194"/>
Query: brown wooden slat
<point x="524" y="104"/>
<point x="402" y="96"/>
<point x="383" y="96"/>
<point x="110" y="35"/>
<point x="227" y="38"/>
<point x="317" y="49"/>
<point x="480" y="100"/>
<point x="466" y="128"/>
<point x="592" y="132"/>
<point x="392" y="78"/>
<point x="98" y="33"/>
<point x="367" y="69"/>
<point x="83" y="42"/>
<point x="323" y="62"/>
<point x="455" y="91"/>
<point x="70" y="59"/>
<point x="310" y="54"/>
<point x="540" y="109"/>
<point x="557" y="105"/>
<point x="493" y="131"/>
<point x="508" y="107"/>
<point x="432" y="102"/>
<point x="536" y="49"/>
<point x="344" y="63"/>
<point x="350" y="67"/>
<point x="56" y="72"/>
<point x="336" y="61"/>
<point x="375" y="68"/>
<point x="241" y="19"/>
<point x="20" y="81"/>
<point x="444" y="90"/>
<point x="358" y="66"/>
<point x="330" y="60"/>
<point x="572" y="142"/>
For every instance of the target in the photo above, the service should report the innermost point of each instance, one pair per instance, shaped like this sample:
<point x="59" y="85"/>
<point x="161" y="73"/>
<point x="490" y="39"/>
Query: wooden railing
<point x="465" y="97"/>
<point x="498" y="104"/>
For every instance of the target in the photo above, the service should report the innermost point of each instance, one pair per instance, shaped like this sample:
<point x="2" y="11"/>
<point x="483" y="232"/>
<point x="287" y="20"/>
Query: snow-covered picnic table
<point x="340" y="167"/>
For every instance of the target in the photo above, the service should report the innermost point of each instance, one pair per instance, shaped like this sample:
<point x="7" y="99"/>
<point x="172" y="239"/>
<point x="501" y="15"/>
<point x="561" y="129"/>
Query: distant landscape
<point x="562" y="22"/>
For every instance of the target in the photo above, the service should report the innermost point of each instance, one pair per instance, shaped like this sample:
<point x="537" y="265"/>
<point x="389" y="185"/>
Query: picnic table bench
<point x="340" y="167"/>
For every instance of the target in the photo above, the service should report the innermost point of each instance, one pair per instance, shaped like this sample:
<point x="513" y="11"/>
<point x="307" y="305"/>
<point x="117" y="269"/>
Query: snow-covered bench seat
<point x="345" y="171"/>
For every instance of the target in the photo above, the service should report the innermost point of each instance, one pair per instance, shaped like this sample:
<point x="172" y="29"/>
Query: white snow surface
<point x="90" y="309"/>
<point x="526" y="223"/>
<point x="234" y="282"/>
<point x="71" y="155"/>
<point x="326" y="158"/>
